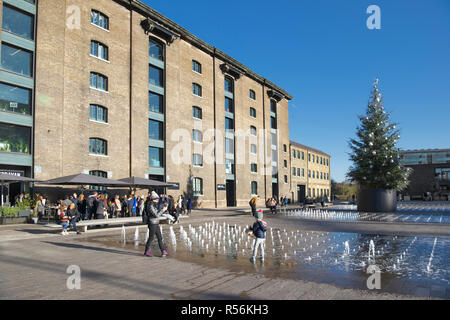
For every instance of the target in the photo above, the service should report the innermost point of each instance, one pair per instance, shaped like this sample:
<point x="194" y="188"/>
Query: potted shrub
<point x="10" y="216"/>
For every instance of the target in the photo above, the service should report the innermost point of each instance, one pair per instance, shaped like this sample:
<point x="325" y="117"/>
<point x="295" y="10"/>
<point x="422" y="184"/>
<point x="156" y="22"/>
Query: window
<point x="254" y="167"/>
<point x="101" y="174"/>
<point x="15" y="138"/>
<point x="155" y="129"/>
<point x="229" y="145"/>
<point x="284" y="148"/>
<point x="253" y="130"/>
<point x="98" y="113"/>
<point x="303" y="155"/>
<point x="254" y="188"/>
<point x="99" y="19"/>
<point x="197" y="160"/>
<point x="229" y="125"/>
<point x="155" y="102"/>
<point x="303" y="172"/>
<point x="298" y="154"/>
<point x="294" y="171"/>
<point x="253" y="112"/>
<point x="317" y="159"/>
<point x="229" y="166"/>
<point x="309" y="156"/>
<point x="285" y="179"/>
<point x="253" y="148"/>
<point x="18" y="22"/>
<point x="17" y="60"/>
<point x="320" y="160"/>
<point x="155" y="157"/>
<point x="252" y="94"/>
<point x="293" y="153"/>
<point x="197" y="135"/>
<point x="327" y="162"/>
<point x="156" y="50"/>
<point x="97" y="146"/>
<point x="15" y="99"/>
<point x="321" y="175"/>
<point x="273" y="106"/>
<point x="309" y="173"/>
<point x="197" y="186"/>
<point x="229" y="105"/>
<point x="196" y="66"/>
<point x="314" y="174"/>
<point x="99" y="50"/>
<point x="285" y="163"/>
<point x="197" y="112"/>
<point x="197" y="89"/>
<point x="228" y="84"/>
<point x="298" y="172"/>
<point x="155" y="76"/>
<point x="273" y="122"/>
<point x="312" y="158"/>
<point x="99" y="81"/>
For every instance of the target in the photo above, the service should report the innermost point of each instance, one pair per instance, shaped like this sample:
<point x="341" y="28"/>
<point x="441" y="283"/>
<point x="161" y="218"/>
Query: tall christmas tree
<point x="374" y="154"/>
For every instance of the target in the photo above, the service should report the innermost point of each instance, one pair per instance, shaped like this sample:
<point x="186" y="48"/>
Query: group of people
<point x="99" y="206"/>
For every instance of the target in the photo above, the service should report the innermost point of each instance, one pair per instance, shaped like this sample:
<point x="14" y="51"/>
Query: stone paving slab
<point x="34" y="264"/>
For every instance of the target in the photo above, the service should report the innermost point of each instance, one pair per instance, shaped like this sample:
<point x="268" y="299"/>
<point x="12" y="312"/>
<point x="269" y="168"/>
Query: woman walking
<point x="153" y="224"/>
<point x="101" y="208"/>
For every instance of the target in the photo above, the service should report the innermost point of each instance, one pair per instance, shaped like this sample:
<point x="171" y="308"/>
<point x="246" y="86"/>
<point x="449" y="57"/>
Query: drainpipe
<point x="131" y="88"/>
<point x="264" y="129"/>
<point x="215" y="143"/>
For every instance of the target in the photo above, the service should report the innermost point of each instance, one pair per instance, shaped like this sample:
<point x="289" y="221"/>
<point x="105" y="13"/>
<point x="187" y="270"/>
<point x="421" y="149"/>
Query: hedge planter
<point x="377" y="200"/>
<point x="10" y="220"/>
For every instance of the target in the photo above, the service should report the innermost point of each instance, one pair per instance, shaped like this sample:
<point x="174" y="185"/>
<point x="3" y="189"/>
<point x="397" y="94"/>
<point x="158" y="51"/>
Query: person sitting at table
<point x="63" y="219"/>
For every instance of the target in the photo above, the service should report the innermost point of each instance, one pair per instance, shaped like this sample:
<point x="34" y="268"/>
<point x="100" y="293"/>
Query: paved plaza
<point x="34" y="261"/>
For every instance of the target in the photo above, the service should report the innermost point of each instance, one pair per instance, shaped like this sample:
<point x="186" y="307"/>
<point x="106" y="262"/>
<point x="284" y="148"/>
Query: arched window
<point x="252" y="94"/>
<point x="98" y="113"/>
<point x="196" y="66"/>
<point x="101" y="174"/>
<point x="229" y="84"/>
<point x="98" y="146"/>
<point x="197" y="89"/>
<point x="99" y="19"/>
<point x="98" y="81"/>
<point x="99" y="50"/>
<point x="253" y="112"/>
<point x="197" y="112"/>
<point x="253" y="130"/>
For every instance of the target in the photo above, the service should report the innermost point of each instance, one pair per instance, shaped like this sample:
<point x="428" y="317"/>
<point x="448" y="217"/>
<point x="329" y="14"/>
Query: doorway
<point x="301" y="193"/>
<point x="231" y="195"/>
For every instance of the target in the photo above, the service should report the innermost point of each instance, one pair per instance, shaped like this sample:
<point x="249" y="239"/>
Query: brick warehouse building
<point x="104" y="87"/>
<point x="310" y="173"/>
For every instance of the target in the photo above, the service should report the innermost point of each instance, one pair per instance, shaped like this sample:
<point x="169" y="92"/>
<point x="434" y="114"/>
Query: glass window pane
<point x="18" y="22"/>
<point x="155" y="102"/>
<point x="155" y="76"/>
<point x="155" y="129"/>
<point x="17" y="60"/>
<point x="229" y="105"/>
<point x="155" y="157"/>
<point x="229" y="124"/>
<point x="228" y="85"/>
<point x="15" y="138"/>
<point x="156" y="50"/>
<point x="15" y="99"/>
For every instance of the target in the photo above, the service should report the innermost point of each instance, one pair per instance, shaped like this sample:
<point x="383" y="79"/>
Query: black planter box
<point x="377" y="200"/>
<point x="17" y="220"/>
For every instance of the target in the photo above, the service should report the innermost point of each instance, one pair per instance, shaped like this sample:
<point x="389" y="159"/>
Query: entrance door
<point x="230" y="193"/>
<point x="301" y="193"/>
<point x="275" y="190"/>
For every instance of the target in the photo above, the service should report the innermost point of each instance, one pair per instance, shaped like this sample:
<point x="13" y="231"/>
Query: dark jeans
<point x="73" y="223"/>
<point x="154" y="229"/>
<point x="273" y="210"/>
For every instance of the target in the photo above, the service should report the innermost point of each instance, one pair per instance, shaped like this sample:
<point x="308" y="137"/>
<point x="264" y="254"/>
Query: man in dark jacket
<point x="92" y="205"/>
<point x="153" y="214"/>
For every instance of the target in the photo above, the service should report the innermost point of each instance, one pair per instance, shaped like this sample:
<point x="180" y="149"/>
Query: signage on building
<point x="13" y="105"/>
<point x="13" y="172"/>
<point x="221" y="187"/>
<point x="175" y="186"/>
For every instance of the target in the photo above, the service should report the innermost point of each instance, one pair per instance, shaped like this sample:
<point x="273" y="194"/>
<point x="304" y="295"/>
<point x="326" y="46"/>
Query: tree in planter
<point x="374" y="154"/>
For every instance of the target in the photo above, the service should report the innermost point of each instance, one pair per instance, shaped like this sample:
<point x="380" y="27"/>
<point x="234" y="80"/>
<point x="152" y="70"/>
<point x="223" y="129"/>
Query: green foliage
<point x="10" y="212"/>
<point x="374" y="154"/>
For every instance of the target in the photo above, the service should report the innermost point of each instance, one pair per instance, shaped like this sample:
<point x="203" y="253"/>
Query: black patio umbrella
<point x="84" y="179"/>
<point x="137" y="182"/>
<point x="6" y="178"/>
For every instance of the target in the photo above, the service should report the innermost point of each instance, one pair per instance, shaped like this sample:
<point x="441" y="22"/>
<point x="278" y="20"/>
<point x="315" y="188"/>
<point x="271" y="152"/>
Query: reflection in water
<point x="338" y="258"/>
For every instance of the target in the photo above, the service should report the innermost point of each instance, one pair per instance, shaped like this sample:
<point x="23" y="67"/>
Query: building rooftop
<point x="308" y="148"/>
<point x="145" y="10"/>
<point x="424" y="150"/>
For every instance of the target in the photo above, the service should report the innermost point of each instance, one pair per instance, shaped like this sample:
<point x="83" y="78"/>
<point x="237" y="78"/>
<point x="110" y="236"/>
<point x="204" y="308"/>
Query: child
<point x="259" y="231"/>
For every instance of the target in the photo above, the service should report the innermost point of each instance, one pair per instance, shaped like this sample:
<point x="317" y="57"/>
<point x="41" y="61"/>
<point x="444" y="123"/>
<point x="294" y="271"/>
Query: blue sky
<point x="323" y="54"/>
